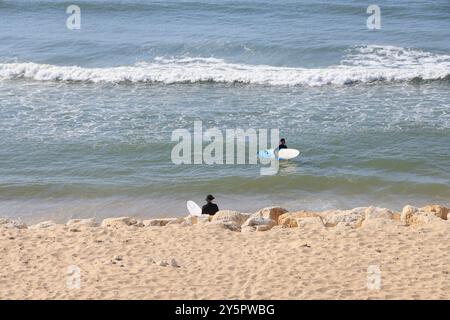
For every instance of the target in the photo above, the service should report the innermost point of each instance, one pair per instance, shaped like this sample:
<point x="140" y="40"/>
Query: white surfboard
<point x="193" y="208"/>
<point x="286" y="154"/>
<point x="283" y="154"/>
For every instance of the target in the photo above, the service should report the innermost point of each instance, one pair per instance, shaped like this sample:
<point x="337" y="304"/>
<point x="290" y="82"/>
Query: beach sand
<point x="394" y="256"/>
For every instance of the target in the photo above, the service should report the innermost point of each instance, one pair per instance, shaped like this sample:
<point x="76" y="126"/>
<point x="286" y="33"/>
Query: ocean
<point x="86" y="115"/>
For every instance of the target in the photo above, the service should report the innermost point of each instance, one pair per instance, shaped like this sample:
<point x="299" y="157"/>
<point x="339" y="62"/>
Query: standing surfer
<point x="282" y="144"/>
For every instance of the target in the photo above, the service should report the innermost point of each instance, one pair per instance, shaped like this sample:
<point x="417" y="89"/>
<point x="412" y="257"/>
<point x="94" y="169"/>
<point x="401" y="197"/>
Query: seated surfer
<point x="210" y="208"/>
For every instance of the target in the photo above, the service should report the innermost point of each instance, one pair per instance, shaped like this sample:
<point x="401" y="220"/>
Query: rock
<point x="413" y="216"/>
<point x="378" y="213"/>
<point x="375" y="216"/>
<point x="204" y="218"/>
<point x="138" y="224"/>
<point x="119" y="222"/>
<point x="118" y="258"/>
<point x="190" y="221"/>
<point x="272" y="213"/>
<point x="229" y="216"/>
<point x="174" y="263"/>
<point x="175" y="221"/>
<point x="12" y="224"/>
<point x="278" y="227"/>
<point x="255" y="221"/>
<point x="248" y="229"/>
<point x="90" y="222"/>
<point x="345" y="218"/>
<point x="407" y="214"/>
<point x="289" y="219"/>
<point x="152" y="223"/>
<point x="310" y="222"/>
<point x="263" y="228"/>
<point x="231" y="225"/>
<point x="437" y="210"/>
<point x="228" y="225"/>
<point x="72" y="229"/>
<point x="375" y="213"/>
<point x="44" y="225"/>
<point x="156" y="222"/>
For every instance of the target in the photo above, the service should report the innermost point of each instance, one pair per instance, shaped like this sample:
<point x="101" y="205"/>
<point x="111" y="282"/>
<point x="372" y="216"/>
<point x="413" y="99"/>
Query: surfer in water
<point x="210" y="208"/>
<point x="282" y="144"/>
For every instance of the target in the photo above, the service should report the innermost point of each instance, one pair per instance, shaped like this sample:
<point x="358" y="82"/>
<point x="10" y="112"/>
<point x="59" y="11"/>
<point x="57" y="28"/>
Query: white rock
<point x="204" y="218"/>
<point x="119" y="222"/>
<point x="279" y="227"/>
<point x="272" y="213"/>
<point x="229" y="216"/>
<point x="263" y="228"/>
<point x="248" y="229"/>
<point x="90" y="222"/>
<point x="12" y="224"/>
<point x="152" y="223"/>
<point x="310" y="222"/>
<point x="233" y="226"/>
<point x="44" y="225"/>
<point x="378" y="213"/>
<point x="175" y="221"/>
<point x="156" y="222"/>
<point x="375" y="215"/>
<point x="228" y="225"/>
<point x="254" y="221"/>
<point x="346" y="218"/>
<point x="190" y="220"/>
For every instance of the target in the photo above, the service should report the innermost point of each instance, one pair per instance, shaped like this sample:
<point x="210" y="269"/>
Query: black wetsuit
<point x="281" y="146"/>
<point x="210" y="208"/>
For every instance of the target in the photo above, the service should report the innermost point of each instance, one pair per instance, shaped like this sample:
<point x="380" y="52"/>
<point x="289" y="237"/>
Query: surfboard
<point x="193" y="208"/>
<point x="286" y="154"/>
<point x="283" y="154"/>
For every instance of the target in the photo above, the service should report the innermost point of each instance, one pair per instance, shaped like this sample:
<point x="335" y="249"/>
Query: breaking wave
<point x="366" y="64"/>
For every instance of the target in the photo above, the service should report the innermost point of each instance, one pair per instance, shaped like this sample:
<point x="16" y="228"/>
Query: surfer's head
<point x="209" y="198"/>
<point x="282" y="141"/>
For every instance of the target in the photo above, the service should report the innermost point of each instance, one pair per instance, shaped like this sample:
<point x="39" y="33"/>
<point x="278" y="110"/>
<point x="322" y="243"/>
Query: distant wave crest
<point x="365" y="64"/>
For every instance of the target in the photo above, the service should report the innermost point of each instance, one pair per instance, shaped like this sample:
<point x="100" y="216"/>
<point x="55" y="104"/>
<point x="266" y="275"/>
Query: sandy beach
<point x="364" y="253"/>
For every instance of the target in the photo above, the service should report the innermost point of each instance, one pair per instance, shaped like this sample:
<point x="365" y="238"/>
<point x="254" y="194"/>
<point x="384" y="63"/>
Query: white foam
<point x="362" y="65"/>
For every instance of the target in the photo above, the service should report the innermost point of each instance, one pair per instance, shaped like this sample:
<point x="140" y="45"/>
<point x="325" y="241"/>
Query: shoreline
<point x="357" y="216"/>
<point x="270" y="254"/>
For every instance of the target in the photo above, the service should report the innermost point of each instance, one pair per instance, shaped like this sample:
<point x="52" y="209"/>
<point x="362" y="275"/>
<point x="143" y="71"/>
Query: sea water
<point x="86" y="115"/>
